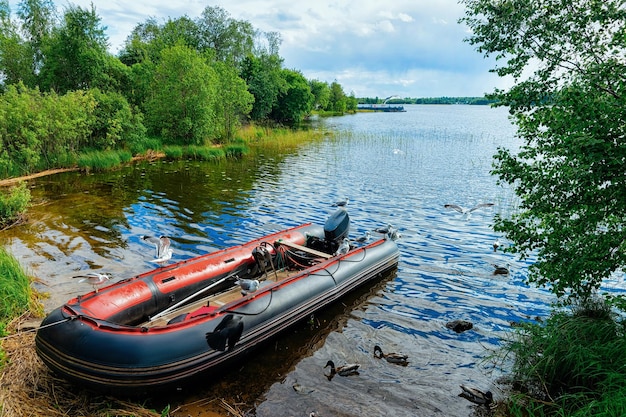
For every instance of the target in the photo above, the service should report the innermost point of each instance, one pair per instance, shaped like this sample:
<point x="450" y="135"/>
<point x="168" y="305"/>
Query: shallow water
<point x="398" y="168"/>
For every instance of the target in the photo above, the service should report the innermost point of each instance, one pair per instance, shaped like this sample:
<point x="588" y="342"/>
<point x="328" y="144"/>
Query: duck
<point x="501" y="270"/>
<point x="397" y="358"/>
<point x="345" y="370"/>
<point x="476" y="396"/>
<point x="459" y="326"/>
<point x="96" y="279"/>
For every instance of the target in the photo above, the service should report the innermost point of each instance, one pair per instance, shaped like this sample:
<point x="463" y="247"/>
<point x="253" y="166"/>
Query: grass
<point x="103" y="160"/>
<point x="16" y="294"/>
<point x="574" y="365"/>
<point x="13" y="204"/>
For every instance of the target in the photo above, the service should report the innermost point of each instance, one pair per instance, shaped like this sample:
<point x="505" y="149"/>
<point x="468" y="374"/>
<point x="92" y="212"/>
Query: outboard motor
<point x="336" y="229"/>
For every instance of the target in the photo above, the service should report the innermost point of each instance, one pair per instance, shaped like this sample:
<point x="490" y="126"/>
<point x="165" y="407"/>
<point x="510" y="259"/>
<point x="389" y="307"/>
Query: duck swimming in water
<point x="345" y="370"/>
<point x="396" y="358"/>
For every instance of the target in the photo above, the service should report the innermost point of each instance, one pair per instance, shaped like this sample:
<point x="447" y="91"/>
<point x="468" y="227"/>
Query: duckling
<point x="345" y="370"/>
<point x="397" y="358"/>
<point x="476" y="396"/>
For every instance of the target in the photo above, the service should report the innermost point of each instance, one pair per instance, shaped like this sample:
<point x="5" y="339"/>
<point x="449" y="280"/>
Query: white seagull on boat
<point x="341" y="203"/>
<point x="96" y="279"/>
<point x="344" y="247"/>
<point x="162" y="245"/>
<point x="248" y="285"/>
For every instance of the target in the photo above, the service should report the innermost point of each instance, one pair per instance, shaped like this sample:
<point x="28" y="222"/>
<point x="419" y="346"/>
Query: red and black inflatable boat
<point x="164" y="326"/>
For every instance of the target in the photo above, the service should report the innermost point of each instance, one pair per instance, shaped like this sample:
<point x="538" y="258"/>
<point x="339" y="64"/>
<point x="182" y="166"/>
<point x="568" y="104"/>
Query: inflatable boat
<point x="160" y="328"/>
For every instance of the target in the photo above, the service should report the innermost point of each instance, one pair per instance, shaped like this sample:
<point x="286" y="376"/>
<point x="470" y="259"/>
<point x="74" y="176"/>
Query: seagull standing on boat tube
<point x="344" y="247"/>
<point x="96" y="279"/>
<point x="163" y="250"/>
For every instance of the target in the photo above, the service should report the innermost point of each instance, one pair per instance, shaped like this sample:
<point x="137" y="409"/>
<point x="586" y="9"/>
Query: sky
<point x="373" y="48"/>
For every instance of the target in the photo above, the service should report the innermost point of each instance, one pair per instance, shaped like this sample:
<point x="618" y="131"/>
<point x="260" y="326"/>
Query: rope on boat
<point x="19" y="333"/>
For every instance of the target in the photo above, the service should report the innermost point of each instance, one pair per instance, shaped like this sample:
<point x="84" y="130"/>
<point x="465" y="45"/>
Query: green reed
<point x="103" y="160"/>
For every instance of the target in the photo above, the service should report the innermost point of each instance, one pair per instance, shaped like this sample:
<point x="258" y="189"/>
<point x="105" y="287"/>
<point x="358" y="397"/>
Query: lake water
<point x="397" y="168"/>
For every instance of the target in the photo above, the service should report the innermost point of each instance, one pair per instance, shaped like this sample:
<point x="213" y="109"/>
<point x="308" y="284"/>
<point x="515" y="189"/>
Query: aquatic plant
<point x="13" y="204"/>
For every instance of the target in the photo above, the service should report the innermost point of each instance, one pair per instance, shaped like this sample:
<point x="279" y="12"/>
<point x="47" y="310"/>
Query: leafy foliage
<point x="182" y="105"/>
<point x="570" y="112"/>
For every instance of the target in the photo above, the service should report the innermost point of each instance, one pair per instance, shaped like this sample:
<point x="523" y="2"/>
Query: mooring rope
<point x="19" y="333"/>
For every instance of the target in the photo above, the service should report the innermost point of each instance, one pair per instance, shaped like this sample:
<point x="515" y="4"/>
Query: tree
<point x="181" y="107"/>
<point x="337" y="101"/>
<point x="263" y="76"/>
<point x="76" y="57"/>
<point x="231" y="40"/>
<point x="234" y="101"/>
<point x="296" y="101"/>
<point x="567" y="59"/>
<point x="321" y="92"/>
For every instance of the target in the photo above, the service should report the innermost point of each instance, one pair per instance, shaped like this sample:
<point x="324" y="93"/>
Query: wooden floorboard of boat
<point x="217" y="300"/>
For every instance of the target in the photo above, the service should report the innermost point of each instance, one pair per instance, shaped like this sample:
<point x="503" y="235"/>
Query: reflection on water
<point x="398" y="168"/>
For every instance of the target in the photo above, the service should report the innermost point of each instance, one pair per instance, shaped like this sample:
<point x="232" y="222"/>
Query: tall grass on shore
<point x="98" y="161"/>
<point x="574" y="365"/>
<point x="16" y="295"/>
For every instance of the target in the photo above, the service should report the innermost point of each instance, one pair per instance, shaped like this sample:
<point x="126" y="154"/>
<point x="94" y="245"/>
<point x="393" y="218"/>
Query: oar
<point x="181" y="302"/>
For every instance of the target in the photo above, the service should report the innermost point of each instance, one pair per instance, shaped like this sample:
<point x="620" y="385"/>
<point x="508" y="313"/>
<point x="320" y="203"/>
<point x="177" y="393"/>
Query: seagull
<point x="398" y="358"/>
<point x="466" y="211"/>
<point x="248" y="285"/>
<point x="344" y="247"/>
<point x="476" y="396"/>
<point x="389" y="231"/>
<point x="496" y="245"/>
<point x="364" y="238"/>
<point x="341" y="203"/>
<point x="96" y="279"/>
<point x="384" y="230"/>
<point x="162" y="245"/>
<point x="345" y="370"/>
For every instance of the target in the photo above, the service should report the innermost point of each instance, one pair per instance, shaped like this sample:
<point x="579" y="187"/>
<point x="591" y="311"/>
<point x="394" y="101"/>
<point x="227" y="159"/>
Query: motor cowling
<point x="337" y="227"/>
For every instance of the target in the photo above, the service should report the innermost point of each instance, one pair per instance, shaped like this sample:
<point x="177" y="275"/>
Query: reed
<point x="13" y="204"/>
<point x="103" y="160"/>
<point x="571" y="366"/>
<point x="262" y="137"/>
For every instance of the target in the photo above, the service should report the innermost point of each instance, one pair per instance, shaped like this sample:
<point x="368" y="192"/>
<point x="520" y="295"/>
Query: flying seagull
<point x="162" y="244"/>
<point x="464" y="210"/>
<point x="96" y="279"/>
